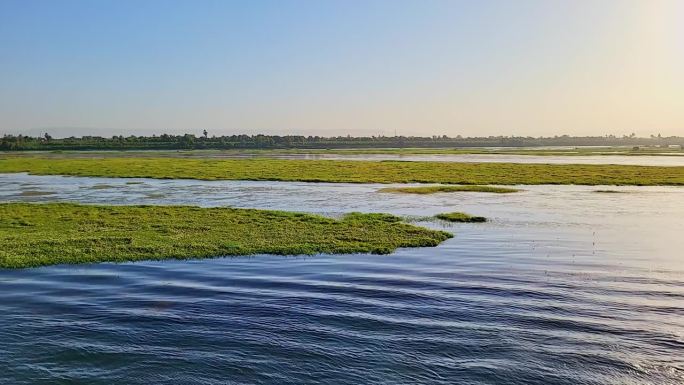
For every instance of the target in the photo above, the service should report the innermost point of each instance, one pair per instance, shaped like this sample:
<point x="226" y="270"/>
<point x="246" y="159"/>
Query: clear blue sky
<point x="337" y="67"/>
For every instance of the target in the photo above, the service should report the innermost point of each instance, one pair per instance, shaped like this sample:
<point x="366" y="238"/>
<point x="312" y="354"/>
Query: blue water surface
<point x="563" y="286"/>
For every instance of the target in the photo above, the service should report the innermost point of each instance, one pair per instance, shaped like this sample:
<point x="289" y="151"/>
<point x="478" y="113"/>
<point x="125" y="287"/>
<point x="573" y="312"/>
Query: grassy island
<point x="460" y="217"/>
<point x="46" y="234"/>
<point x="347" y="171"/>
<point x="446" y="189"/>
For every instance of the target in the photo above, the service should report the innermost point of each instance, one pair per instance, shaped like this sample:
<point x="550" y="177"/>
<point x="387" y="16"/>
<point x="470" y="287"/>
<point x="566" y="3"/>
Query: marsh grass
<point x="347" y="171"/>
<point x="57" y="233"/>
<point x="448" y="189"/>
<point x="460" y="217"/>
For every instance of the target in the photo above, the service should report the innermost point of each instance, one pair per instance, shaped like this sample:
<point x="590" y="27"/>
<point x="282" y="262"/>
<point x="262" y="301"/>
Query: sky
<point x="317" y="67"/>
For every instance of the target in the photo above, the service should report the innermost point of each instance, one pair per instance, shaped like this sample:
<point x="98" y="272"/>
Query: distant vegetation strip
<point x="448" y="188"/>
<point x="58" y="233"/>
<point x="226" y="142"/>
<point x="460" y="217"/>
<point x="285" y="152"/>
<point x="348" y="171"/>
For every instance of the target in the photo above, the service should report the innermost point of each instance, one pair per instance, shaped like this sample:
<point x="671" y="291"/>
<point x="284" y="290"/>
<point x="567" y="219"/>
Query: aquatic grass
<point x="447" y="189"/>
<point x="460" y="217"/>
<point x="347" y="171"/>
<point x="60" y="233"/>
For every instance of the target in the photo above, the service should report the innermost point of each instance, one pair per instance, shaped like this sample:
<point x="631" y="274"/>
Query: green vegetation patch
<point x="443" y="189"/>
<point x="46" y="234"/>
<point x="348" y="171"/>
<point x="460" y="217"/>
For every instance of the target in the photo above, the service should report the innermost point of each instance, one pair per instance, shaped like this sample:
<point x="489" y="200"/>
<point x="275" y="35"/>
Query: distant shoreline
<point x="495" y="150"/>
<point x="318" y="143"/>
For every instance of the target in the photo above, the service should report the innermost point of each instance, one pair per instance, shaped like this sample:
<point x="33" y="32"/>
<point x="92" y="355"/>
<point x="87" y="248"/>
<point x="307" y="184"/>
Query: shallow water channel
<point x="636" y="160"/>
<point x="663" y="159"/>
<point x="564" y="285"/>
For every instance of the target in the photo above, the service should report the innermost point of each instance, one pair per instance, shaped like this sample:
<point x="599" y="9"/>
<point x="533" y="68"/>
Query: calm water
<point x="673" y="159"/>
<point x="564" y="286"/>
<point x="641" y="160"/>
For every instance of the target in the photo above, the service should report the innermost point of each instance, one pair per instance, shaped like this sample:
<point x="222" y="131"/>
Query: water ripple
<point x="564" y="286"/>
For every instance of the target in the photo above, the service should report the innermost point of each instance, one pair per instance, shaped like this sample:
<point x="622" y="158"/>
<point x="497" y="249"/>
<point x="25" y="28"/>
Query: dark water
<point x="564" y="286"/>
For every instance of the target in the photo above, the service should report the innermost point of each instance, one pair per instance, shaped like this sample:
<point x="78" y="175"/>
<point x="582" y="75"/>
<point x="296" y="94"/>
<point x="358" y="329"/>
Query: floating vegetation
<point x="448" y="188"/>
<point x="101" y="186"/>
<point x="459" y="217"/>
<point x="611" y="191"/>
<point x="56" y="233"/>
<point x="348" y="171"/>
<point x="155" y="195"/>
<point x="35" y="193"/>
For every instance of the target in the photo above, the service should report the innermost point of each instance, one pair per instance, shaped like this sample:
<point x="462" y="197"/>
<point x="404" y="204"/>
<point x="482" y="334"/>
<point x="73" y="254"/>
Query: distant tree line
<point x="189" y="141"/>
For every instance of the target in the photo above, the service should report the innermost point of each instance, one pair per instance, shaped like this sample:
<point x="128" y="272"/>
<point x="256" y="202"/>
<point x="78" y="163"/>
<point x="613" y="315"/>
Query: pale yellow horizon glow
<point x="537" y="68"/>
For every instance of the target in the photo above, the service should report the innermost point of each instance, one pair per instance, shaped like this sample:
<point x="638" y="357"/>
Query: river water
<point x="564" y="285"/>
<point x="640" y="160"/>
<point x="664" y="159"/>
